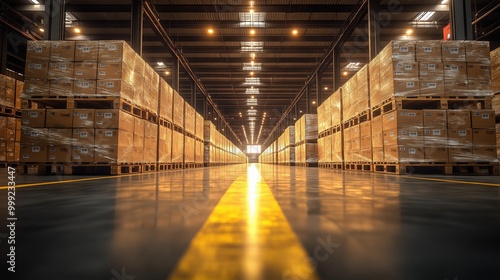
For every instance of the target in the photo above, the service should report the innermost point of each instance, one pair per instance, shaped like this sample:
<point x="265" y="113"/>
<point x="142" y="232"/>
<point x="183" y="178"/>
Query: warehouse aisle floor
<point x="256" y="222"/>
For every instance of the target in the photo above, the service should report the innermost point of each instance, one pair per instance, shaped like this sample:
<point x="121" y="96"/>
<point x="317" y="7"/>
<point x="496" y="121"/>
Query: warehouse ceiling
<point x="253" y="57"/>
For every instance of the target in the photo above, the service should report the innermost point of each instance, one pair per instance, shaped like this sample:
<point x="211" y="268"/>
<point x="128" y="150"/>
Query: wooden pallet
<point x="456" y="168"/>
<point x="306" y="164"/>
<point x="359" y="118"/>
<point x="359" y="166"/>
<point x="81" y="168"/>
<point x="10" y="111"/>
<point x="431" y="102"/>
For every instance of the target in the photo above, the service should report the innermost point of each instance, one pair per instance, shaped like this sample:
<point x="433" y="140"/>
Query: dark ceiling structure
<point x="253" y="58"/>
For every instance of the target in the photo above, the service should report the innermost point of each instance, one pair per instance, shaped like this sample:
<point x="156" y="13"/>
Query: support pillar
<point x="319" y="88"/>
<point x="56" y="18"/>
<point x="193" y="95"/>
<point x="308" y="99"/>
<point x="137" y="24"/>
<point x="461" y="20"/>
<point x="336" y="69"/>
<point x="3" y="49"/>
<point x="175" y="73"/>
<point x="373" y="28"/>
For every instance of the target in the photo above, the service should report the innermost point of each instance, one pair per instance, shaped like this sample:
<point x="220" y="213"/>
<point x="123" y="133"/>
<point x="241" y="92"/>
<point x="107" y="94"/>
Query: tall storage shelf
<point x="218" y="150"/>
<point x="10" y="120"/>
<point x="96" y="106"/>
<point x="495" y="84"/>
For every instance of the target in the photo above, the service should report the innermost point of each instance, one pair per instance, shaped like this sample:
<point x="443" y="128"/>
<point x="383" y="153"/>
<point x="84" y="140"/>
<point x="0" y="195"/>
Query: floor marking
<point x="454" y="181"/>
<point x="245" y="237"/>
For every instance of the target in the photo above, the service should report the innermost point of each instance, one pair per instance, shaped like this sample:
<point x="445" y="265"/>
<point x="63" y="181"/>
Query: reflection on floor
<point x="257" y="222"/>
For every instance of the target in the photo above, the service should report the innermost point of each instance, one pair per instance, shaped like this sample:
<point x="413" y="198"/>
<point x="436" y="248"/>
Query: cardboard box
<point x="83" y="136"/>
<point x="33" y="117"/>
<point x="33" y="153"/>
<point x="432" y="88"/>
<point x="429" y="50"/>
<point x="59" y="118"/>
<point x="436" y="136"/>
<point x="38" y="50"/>
<point x="84" y="87"/>
<point x="61" y="87"/>
<point x="485" y="154"/>
<point x="139" y="126"/>
<point x="479" y="88"/>
<point x="35" y="87"/>
<point x="59" y="154"/>
<point x="400" y="51"/>
<point x="477" y="51"/>
<point x="60" y="136"/>
<point x="453" y="50"/>
<point x="61" y="69"/>
<point x="115" y="88"/>
<point x="399" y="69"/>
<point x="455" y="71"/>
<point x="456" y="88"/>
<point x="86" y="50"/>
<point x="86" y="70"/>
<point x="118" y="50"/>
<point x="83" y="118"/>
<point x="400" y="87"/>
<point x="114" y="118"/>
<point x="459" y="119"/>
<point x="114" y="154"/>
<point x="115" y="71"/>
<point x="378" y="154"/>
<point x="484" y="137"/>
<point x="412" y="137"/>
<point x="460" y="137"/>
<point x="62" y="51"/>
<point x="36" y="69"/>
<point x="483" y="119"/>
<point x="166" y="100"/>
<point x="435" y="118"/>
<point x="82" y="154"/>
<point x="431" y="70"/>
<point x="460" y="154"/>
<point x="436" y="153"/>
<point x="402" y="118"/>
<point x="107" y="137"/>
<point x="403" y="154"/>
<point x="33" y="135"/>
<point x="8" y="135"/>
<point x="478" y="71"/>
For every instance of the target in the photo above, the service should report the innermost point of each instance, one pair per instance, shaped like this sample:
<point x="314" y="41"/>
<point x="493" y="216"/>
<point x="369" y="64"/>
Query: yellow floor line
<point x="246" y="237"/>
<point x="454" y="181"/>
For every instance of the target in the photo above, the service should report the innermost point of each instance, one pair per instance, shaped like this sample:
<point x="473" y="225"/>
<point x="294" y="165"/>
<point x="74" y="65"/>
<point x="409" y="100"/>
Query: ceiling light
<point x="409" y="31"/>
<point x="252" y="3"/>
<point x="42" y="30"/>
<point x="215" y="118"/>
<point x="251" y="11"/>
<point x="326" y="88"/>
<point x="251" y="73"/>
<point x="210" y="31"/>
<point x="77" y="30"/>
<point x="252" y="31"/>
<point x="253" y="96"/>
<point x="35" y="2"/>
<point x="167" y="73"/>
<point x="314" y="102"/>
<point x="161" y="64"/>
<point x="251" y="107"/>
<point x="345" y="73"/>
<point x="424" y="16"/>
<point x="444" y="2"/>
<point x="300" y="111"/>
<point x="295" y="32"/>
<point x="252" y="55"/>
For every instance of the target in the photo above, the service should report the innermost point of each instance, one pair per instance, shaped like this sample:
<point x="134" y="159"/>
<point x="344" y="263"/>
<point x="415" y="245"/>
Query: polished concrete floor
<point x="255" y="222"/>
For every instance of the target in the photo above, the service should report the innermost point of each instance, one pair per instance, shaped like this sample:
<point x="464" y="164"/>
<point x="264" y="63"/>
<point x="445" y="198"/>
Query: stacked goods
<point x="286" y="147"/>
<point x="267" y="155"/>
<point x="10" y="123"/>
<point x="337" y="132"/>
<point x="199" y="147"/>
<point x="218" y="149"/>
<point x="495" y="84"/>
<point x="178" y="132"/>
<point x="306" y="140"/>
<point x="165" y="126"/>
<point x="189" y="138"/>
<point x="324" y="129"/>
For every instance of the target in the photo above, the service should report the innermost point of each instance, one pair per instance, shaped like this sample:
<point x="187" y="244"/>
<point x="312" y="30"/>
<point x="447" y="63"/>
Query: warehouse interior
<point x="235" y="139"/>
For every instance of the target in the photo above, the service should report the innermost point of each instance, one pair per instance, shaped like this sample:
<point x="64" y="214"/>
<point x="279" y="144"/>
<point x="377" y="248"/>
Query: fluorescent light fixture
<point x="70" y="18"/>
<point x="35" y="2"/>
<point x="252" y="101"/>
<point x="252" y="81"/>
<point x="251" y="46"/>
<point x="254" y="67"/>
<point x="352" y="66"/>
<point x="252" y="91"/>
<point x="444" y="2"/>
<point x="160" y="64"/>
<point x="252" y="19"/>
<point x="424" y="16"/>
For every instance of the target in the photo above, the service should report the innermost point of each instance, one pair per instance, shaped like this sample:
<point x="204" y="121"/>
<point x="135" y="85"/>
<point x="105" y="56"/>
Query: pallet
<point x="81" y="168"/>
<point x="359" y="166"/>
<point x="90" y="102"/>
<point x="336" y="165"/>
<point x="306" y="164"/>
<point x="359" y="118"/>
<point x="10" y="111"/>
<point x="164" y="122"/>
<point x="456" y="168"/>
<point x="431" y="102"/>
<point x="7" y="164"/>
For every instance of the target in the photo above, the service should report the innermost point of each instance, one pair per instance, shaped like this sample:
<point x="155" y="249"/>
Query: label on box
<point x="412" y="114"/>
<point x="412" y="151"/>
<point x="33" y="115"/>
<point x="76" y="157"/>
<point x="436" y="132"/>
<point x="410" y="84"/>
<point x="85" y="49"/>
<point x="84" y="150"/>
<point x="26" y="156"/>
<point x="108" y="115"/>
<point x="110" y="84"/>
<point x="38" y="50"/>
<point x="26" y="121"/>
<point x="109" y="134"/>
<point x="112" y="47"/>
<point x="454" y="67"/>
<point x="413" y="134"/>
<point x="35" y="149"/>
<point x="427" y="49"/>
<point x="485" y="116"/>
<point x="423" y="73"/>
<point x="462" y="133"/>
<point x="431" y="66"/>
<point x="52" y="149"/>
<point x="83" y="116"/>
<point x="403" y="49"/>
<point x="99" y="123"/>
<point x="454" y="50"/>
<point x="37" y="66"/>
<point x="408" y="67"/>
<point x="399" y="72"/>
<point x="84" y="134"/>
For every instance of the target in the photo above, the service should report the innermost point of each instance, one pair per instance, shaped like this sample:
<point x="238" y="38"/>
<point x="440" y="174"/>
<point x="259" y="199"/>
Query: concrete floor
<point x="255" y="222"/>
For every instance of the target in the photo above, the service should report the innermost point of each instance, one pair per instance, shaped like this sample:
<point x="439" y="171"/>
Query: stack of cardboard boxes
<point x="10" y="122"/>
<point x="286" y="147"/>
<point x="218" y="149"/>
<point x="495" y="84"/>
<point x="430" y="103"/>
<point x="306" y="140"/>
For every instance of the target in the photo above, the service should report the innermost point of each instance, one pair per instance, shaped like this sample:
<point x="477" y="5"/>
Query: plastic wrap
<point x="151" y="88"/>
<point x="165" y="145"/>
<point x="86" y="50"/>
<point x="355" y="96"/>
<point x="429" y="50"/>
<point x="477" y="51"/>
<point x="7" y="91"/>
<point x="453" y="50"/>
<point x="62" y="50"/>
<point x="38" y="51"/>
<point x="495" y="70"/>
<point x="403" y="154"/>
<point x="433" y="71"/>
<point x="325" y="115"/>
<point x="178" y="109"/>
<point x="177" y="147"/>
<point x="86" y="70"/>
<point x="189" y="150"/>
<point x="199" y="152"/>
<point x="199" y="126"/>
<point x="189" y="118"/>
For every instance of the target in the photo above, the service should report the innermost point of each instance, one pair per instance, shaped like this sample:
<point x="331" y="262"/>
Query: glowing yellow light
<point x="252" y="62"/>
<point x="409" y="31"/>
<point x="251" y="11"/>
<point x="167" y="73"/>
<point x="295" y="32"/>
<point x="252" y="55"/>
<point x="345" y="73"/>
<point x="252" y="96"/>
<point x="251" y="107"/>
<point x="326" y="88"/>
<point x="252" y="31"/>
<point x="314" y="102"/>
<point x="42" y="30"/>
<point x="251" y="73"/>
<point x="210" y="31"/>
<point x="77" y="30"/>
